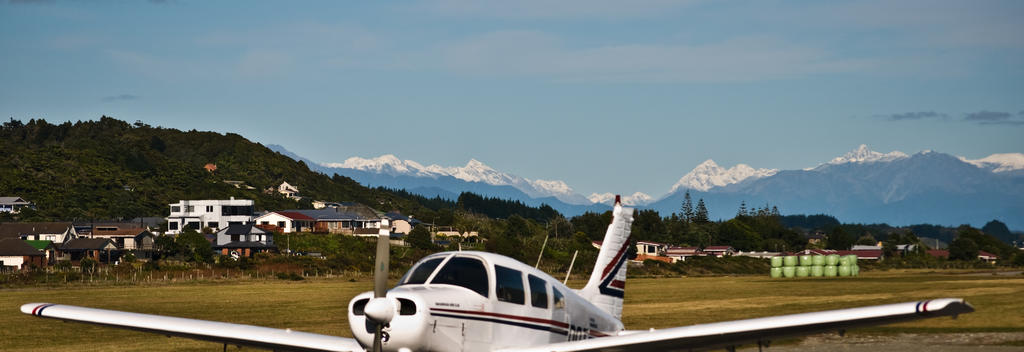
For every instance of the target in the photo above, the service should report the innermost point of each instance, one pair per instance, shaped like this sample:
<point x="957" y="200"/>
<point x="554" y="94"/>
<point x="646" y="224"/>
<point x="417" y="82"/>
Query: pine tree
<point x="702" y="212"/>
<point x="687" y="207"/>
<point x="775" y="211"/>
<point x="743" y="209"/>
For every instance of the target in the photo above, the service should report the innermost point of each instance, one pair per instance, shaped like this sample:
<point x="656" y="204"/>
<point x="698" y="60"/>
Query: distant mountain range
<point x="449" y="182"/>
<point x="860" y="186"/>
<point x="865" y="186"/>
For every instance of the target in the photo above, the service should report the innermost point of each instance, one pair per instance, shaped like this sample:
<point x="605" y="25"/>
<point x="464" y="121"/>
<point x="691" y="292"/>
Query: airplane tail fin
<point x="607" y="286"/>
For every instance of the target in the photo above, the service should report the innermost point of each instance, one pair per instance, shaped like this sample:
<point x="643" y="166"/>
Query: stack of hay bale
<point x="806" y="265"/>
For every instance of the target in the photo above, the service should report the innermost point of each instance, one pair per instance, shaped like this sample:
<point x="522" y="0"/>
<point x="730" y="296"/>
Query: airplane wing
<point x="734" y="333"/>
<point x="226" y="333"/>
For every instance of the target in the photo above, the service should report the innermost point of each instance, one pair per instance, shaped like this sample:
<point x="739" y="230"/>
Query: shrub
<point x="87" y="264"/>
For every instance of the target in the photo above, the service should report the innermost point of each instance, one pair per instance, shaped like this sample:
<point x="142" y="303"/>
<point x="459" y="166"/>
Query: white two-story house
<point x="213" y="214"/>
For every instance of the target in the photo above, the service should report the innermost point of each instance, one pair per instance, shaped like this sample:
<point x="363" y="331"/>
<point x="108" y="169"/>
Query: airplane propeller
<point x="379" y="309"/>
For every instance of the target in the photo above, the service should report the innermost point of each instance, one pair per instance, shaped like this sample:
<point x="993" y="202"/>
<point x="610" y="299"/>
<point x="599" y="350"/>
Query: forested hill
<point x="111" y="169"/>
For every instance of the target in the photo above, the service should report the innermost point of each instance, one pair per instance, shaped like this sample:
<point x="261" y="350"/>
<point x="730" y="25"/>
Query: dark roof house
<point x="16" y="247"/>
<point x="53" y="231"/>
<point x="243" y="240"/>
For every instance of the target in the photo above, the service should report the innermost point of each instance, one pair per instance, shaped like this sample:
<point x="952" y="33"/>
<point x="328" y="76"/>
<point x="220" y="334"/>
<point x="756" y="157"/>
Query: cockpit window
<point x="538" y="292"/>
<point x="422" y="272"/>
<point x="509" y="285"/>
<point x="466" y="272"/>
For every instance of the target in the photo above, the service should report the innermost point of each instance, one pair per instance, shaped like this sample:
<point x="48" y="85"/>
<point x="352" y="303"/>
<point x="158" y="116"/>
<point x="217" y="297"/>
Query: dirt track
<point x="988" y="342"/>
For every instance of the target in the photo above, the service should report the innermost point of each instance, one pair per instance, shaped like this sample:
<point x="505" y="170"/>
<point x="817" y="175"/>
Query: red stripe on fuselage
<point x="506" y="316"/>
<point x="592" y="333"/>
<point x="559" y="324"/>
<point x="618" y="284"/>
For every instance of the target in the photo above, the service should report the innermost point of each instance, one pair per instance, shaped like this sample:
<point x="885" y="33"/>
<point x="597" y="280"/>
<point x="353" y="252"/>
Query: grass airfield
<point x="319" y="306"/>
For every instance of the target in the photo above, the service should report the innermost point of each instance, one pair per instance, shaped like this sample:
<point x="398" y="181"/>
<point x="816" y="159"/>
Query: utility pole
<point x="541" y="255"/>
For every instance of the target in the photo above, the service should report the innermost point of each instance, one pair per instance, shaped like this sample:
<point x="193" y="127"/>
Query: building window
<point x="192" y="225"/>
<point x="280" y="224"/>
<point x="213" y="224"/>
<point x="265" y="222"/>
<point x="173" y="225"/>
<point x="234" y="238"/>
<point x="190" y="208"/>
<point x="234" y="223"/>
<point x="236" y="210"/>
<point x="209" y="208"/>
<point x="175" y="209"/>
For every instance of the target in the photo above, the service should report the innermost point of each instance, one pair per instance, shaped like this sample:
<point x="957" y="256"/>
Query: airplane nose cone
<point x="381" y="309"/>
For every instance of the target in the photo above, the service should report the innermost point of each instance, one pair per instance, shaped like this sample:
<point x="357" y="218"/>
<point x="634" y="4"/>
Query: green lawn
<point x="319" y="305"/>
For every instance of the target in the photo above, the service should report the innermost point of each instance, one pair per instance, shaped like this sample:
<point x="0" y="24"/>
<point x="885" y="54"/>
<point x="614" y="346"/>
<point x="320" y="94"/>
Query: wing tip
<point x="959" y="306"/>
<point x="32" y="308"/>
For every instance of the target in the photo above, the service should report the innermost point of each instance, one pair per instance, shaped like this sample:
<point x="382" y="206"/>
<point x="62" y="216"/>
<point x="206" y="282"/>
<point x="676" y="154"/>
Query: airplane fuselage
<point x="471" y="301"/>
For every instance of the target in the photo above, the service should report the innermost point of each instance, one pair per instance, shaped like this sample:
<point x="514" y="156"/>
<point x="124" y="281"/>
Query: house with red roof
<point x="285" y="222"/>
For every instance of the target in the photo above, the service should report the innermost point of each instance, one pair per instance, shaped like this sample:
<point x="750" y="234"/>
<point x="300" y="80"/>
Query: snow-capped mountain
<point x="635" y="199"/>
<point x="859" y="186"/>
<point x="864" y="155"/>
<point x="708" y="175"/>
<point x="1002" y="162"/>
<point x="473" y="171"/>
<point x="868" y="186"/>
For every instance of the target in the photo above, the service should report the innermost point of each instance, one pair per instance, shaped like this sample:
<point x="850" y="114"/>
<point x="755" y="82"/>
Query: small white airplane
<point x="477" y="301"/>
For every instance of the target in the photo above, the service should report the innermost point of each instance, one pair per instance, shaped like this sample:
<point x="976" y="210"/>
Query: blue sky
<point x="609" y="96"/>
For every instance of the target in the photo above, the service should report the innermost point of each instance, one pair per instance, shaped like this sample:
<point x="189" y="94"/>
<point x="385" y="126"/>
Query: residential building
<point x="862" y="254"/>
<point x="127" y="238"/>
<point x="288" y="190"/>
<point x="15" y="254"/>
<point x="756" y="254"/>
<point x="285" y="221"/>
<point x="14" y="204"/>
<point x="719" y="251"/>
<point x="47" y="248"/>
<point x="449" y="232"/>
<point x="243" y="240"/>
<point x="679" y="254"/>
<point x="211" y="214"/>
<point x="58" y="232"/>
<point x="341" y="218"/>
<point x="99" y="249"/>
<point x="401" y="223"/>
<point x="651" y="248"/>
<point x="988" y="257"/>
<point x="646" y="250"/>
